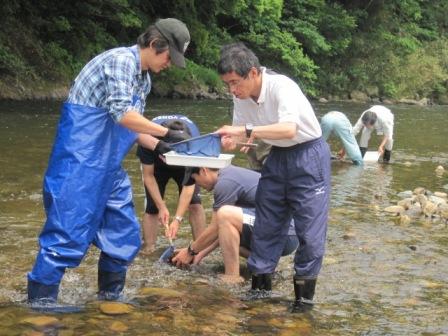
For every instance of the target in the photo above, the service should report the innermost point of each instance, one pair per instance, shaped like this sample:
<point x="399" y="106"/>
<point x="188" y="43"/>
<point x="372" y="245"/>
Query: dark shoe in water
<point x="304" y="288"/>
<point x="302" y="306"/>
<point x="386" y="156"/>
<point x="262" y="281"/>
<point x="110" y="285"/>
<point x="261" y="287"/>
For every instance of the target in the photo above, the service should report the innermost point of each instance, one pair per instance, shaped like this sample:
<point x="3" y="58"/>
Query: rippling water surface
<point x="380" y="276"/>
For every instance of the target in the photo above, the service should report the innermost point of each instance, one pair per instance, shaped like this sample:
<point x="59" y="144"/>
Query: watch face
<point x="249" y="127"/>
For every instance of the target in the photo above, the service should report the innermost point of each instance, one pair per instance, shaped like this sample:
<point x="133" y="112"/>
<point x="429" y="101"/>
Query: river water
<point x="380" y="276"/>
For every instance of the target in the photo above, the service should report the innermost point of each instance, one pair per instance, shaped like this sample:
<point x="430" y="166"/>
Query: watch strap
<point x="191" y="251"/>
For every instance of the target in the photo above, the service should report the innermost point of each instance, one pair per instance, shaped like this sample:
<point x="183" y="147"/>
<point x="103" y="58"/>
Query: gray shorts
<point x="292" y="242"/>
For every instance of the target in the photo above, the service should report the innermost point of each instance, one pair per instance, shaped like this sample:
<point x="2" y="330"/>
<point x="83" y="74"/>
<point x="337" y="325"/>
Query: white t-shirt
<point x="280" y="100"/>
<point x="384" y="123"/>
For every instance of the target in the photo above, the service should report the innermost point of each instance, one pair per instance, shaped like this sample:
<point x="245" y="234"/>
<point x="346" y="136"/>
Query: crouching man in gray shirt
<point x="233" y="217"/>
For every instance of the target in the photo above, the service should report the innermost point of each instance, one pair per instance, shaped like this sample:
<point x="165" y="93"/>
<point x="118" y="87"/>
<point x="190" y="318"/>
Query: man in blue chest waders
<point x="87" y="194"/>
<point x="295" y="179"/>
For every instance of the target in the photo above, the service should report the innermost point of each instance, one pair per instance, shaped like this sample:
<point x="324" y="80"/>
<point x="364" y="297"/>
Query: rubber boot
<point x="386" y="156"/>
<point x="261" y="287"/>
<point x="40" y="294"/>
<point x="262" y="282"/>
<point x="43" y="299"/>
<point x="110" y="285"/>
<point x="363" y="151"/>
<point x="304" y="291"/>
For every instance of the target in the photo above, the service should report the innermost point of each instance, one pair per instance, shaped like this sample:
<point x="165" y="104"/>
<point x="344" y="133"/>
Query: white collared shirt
<point x="384" y="124"/>
<point x="280" y="100"/>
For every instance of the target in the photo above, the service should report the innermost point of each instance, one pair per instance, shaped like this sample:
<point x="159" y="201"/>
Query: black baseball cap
<point x="176" y="125"/>
<point x="178" y="37"/>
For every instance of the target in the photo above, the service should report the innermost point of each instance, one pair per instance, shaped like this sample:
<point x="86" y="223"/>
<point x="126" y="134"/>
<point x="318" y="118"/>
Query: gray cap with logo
<point x="178" y="37"/>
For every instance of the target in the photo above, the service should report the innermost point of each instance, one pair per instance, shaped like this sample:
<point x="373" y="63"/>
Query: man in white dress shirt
<point x="295" y="179"/>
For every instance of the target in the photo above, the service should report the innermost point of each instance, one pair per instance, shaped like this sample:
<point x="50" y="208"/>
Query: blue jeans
<point x="338" y="123"/>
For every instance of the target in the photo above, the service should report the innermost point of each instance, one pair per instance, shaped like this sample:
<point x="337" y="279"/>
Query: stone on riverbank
<point x="405" y="194"/>
<point x="406" y="203"/>
<point x="405" y="219"/>
<point x="358" y="96"/>
<point x="419" y="190"/>
<point x="421" y="102"/>
<point x="394" y="209"/>
<point x="115" y="308"/>
<point x="42" y="322"/>
<point x="118" y="326"/>
<point x="440" y="194"/>
<point x="165" y="292"/>
<point x="440" y="170"/>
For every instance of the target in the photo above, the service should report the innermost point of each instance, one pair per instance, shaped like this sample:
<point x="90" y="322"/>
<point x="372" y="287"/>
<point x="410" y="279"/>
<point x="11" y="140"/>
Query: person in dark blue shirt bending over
<point x="232" y="223"/>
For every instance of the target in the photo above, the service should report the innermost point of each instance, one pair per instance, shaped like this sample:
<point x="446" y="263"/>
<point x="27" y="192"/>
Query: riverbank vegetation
<point x="336" y="49"/>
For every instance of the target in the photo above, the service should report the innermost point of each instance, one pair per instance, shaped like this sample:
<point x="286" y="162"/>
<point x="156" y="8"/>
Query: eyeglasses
<point x="236" y="82"/>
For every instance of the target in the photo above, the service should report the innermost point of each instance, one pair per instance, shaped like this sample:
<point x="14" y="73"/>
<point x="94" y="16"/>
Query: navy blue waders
<point x="295" y="182"/>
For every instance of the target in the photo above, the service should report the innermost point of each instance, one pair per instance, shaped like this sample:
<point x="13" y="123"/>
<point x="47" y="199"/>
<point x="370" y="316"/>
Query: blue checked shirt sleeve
<point x="119" y="75"/>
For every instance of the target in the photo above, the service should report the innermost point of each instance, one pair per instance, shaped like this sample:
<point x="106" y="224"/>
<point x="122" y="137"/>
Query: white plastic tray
<point x="222" y="161"/>
<point x="371" y="156"/>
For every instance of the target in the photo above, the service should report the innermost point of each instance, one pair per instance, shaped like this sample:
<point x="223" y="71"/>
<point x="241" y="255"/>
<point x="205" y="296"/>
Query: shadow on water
<point x="380" y="276"/>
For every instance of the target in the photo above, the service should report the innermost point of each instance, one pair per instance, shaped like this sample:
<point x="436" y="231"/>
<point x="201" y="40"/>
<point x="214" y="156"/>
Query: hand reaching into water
<point x="341" y="154"/>
<point x="182" y="258"/>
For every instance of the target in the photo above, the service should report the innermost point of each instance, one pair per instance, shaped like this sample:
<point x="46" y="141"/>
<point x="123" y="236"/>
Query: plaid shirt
<point x="113" y="80"/>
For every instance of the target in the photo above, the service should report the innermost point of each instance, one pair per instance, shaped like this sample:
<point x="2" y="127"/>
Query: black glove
<point x="173" y="136"/>
<point x="162" y="147"/>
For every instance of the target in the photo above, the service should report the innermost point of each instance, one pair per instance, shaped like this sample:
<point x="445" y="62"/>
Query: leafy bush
<point x="9" y="62"/>
<point x="192" y="75"/>
<point x="327" y="46"/>
<point x="422" y="72"/>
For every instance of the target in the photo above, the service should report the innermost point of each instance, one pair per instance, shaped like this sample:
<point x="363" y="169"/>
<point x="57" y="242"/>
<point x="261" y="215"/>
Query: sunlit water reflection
<point x="379" y="276"/>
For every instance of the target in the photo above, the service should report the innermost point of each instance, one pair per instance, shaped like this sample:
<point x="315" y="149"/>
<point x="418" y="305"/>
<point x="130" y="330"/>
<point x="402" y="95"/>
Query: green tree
<point x="328" y="46"/>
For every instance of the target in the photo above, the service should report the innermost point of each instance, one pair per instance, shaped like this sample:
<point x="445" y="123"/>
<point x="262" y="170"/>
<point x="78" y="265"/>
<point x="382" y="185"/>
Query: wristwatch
<point x="249" y="128"/>
<point x="179" y="219"/>
<point x="191" y="251"/>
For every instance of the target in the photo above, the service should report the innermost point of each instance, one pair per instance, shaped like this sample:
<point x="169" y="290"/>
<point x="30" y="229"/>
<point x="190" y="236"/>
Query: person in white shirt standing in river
<point x="377" y="118"/>
<point x="295" y="179"/>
